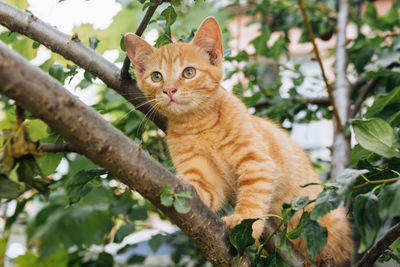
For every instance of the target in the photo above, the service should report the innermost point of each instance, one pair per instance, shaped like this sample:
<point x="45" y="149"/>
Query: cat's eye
<point x="189" y="72"/>
<point x="156" y="77"/>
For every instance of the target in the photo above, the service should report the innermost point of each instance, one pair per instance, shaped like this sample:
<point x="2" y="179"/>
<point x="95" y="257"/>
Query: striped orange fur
<point x="217" y="146"/>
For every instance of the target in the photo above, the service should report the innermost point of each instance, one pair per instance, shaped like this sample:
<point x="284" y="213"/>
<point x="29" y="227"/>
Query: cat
<point x="218" y="147"/>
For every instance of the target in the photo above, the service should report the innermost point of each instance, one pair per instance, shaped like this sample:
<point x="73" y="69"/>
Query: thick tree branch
<point x="146" y="19"/>
<point x="318" y="57"/>
<point x="37" y="92"/>
<point x="373" y="253"/>
<point x="25" y="23"/>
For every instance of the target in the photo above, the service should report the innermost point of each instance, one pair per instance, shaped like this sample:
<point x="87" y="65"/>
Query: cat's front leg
<point x="255" y="186"/>
<point x="202" y="175"/>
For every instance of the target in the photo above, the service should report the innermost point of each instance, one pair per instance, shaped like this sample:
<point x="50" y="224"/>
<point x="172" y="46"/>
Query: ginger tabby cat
<point x="217" y="146"/>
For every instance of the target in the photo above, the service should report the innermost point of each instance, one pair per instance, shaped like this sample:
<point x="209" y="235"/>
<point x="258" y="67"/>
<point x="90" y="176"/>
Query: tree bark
<point x="341" y="142"/>
<point x="25" y="23"/>
<point x="373" y="253"/>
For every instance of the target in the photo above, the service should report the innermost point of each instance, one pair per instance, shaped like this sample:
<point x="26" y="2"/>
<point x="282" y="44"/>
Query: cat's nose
<point x="170" y="92"/>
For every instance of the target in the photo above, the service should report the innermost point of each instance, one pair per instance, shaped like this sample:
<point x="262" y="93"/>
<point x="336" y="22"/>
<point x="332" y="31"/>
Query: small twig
<point x="373" y="253"/>
<point x="361" y="97"/>
<point x="143" y="24"/>
<point x="260" y="248"/>
<point x="378" y="182"/>
<point x="317" y="55"/>
<point x="57" y="147"/>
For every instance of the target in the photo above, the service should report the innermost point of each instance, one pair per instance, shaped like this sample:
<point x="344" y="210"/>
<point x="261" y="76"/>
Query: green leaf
<point x="57" y="71"/>
<point x="383" y="72"/>
<point x="365" y="211"/>
<point x="155" y="242"/>
<point x="186" y="194"/>
<point x="346" y="180"/>
<point x="377" y="136"/>
<point x="260" y="43"/>
<point x="11" y="220"/>
<point x="180" y="205"/>
<point x="163" y="39"/>
<point x="389" y="201"/>
<point x="136" y="259"/>
<point x="284" y="244"/>
<point x="8" y="188"/>
<point x="315" y="235"/>
<point x="122" y="43"/>
<point x="23" y="46"/>
<point x="35" y="44"/>
<point x="66" y="227"/>
<point x="241" y="235"/>
<point x="58" y="259"/>
<point x="299" y="203"/>
<point x="169" y="14"/>
<point x="28" y="172"/>
<point x="123" y="231"/>
<point x="326" y="201"/>
<point x="49" y="162"/>
<point x="382" y="101"/>
<point x="77" y="186"/>
<point x="359" y="153"/>
<point x="166" y="196"/>
<point x="274" y="260"/>
<point x="148" y="4"/>
<point x="295" y="232"/>
<point x="250" y="101"/>
<point x="138" y="213"/>
<point x="105" y="259"/>
<point x="88" y="76"/>
<point x="93" y="42"/>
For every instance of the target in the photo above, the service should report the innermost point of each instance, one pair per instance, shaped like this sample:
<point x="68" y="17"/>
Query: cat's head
<point x="180" y="78"/>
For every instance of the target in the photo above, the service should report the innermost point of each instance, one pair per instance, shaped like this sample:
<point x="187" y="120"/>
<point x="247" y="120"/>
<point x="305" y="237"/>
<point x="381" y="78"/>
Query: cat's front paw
<point x="232" y="220"/>
<point x="235" y="219"/>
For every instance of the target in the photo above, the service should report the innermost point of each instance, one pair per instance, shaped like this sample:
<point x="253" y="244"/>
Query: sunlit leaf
<point x="376" y="135"/>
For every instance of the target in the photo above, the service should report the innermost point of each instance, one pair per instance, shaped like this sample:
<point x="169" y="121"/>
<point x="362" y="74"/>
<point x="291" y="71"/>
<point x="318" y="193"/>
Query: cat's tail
<point x="339" y="244"/>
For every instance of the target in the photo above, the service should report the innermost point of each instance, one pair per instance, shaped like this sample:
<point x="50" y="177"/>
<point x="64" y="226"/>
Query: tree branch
<point x="376" y="182"/>
<point x="341" y="142"/>
<point x="25" y="23"/>
<point x="58" y="147"/>
<point x="373" y="253"/>
<point x="146" y="19"/>
<point x="318" y="57"/>
<point x="362" y="96"/>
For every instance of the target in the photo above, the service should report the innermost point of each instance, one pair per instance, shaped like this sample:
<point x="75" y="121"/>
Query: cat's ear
<point x="138" y="51"/>
<point x="209" y="38"/>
